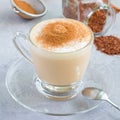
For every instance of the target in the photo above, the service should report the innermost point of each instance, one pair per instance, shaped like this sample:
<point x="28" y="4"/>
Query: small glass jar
<point x="80" y="9"/>
<point x="97" y="14"/>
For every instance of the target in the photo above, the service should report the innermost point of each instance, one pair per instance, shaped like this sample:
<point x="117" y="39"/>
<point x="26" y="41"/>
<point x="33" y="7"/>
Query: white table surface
<point x="9" y="109"/>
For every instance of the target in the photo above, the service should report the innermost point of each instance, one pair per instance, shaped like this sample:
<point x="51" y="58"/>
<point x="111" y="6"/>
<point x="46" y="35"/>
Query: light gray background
<point x="9" y="109"/>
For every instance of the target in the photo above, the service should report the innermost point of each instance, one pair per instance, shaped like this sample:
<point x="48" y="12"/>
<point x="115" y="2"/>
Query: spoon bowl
<point x="94" y="93"/>
<point x="97" y="94"/>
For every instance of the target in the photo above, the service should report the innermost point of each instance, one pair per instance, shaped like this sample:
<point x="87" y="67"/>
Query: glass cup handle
<point x="20" y="45"/>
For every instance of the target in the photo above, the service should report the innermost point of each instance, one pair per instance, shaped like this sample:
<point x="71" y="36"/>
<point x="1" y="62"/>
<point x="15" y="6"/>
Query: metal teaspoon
<point x="97" y="94"/>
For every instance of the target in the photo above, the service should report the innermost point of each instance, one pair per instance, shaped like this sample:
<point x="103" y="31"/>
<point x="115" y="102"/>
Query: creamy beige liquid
<point x="61" y="49"/>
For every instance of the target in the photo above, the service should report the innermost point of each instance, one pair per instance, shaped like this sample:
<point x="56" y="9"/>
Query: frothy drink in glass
<point x="60" y="49"/>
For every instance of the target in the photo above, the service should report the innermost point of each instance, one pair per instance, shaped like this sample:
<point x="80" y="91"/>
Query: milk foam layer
<point x="83" y="33"/>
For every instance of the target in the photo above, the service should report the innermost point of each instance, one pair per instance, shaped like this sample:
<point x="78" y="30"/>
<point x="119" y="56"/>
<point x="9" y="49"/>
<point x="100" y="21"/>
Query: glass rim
<point x="49" y="51"/>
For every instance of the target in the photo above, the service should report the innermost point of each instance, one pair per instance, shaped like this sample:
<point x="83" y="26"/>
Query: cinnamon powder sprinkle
<point x="108" y="44"/>
<point x="59" y="33"/>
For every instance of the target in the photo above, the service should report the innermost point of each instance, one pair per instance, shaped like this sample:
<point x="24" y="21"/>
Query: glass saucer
<point x="20" y="83"/>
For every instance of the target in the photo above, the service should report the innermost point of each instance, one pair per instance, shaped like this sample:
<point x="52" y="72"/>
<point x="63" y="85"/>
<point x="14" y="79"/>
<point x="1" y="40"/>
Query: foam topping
<point x="60" y="35"/>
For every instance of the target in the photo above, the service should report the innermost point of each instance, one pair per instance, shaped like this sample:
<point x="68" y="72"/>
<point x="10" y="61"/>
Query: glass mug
<point x="84" y="10"/>
<point x="59" y="73"/>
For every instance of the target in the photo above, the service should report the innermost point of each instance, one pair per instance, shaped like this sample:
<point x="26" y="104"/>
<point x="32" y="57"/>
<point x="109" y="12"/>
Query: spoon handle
<point x="113" y="104"/>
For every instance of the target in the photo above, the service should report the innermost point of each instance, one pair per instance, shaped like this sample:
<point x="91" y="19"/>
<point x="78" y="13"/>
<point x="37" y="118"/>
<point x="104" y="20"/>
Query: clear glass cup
<point x="59" y="74"/>
<point x="83" y="10"/>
